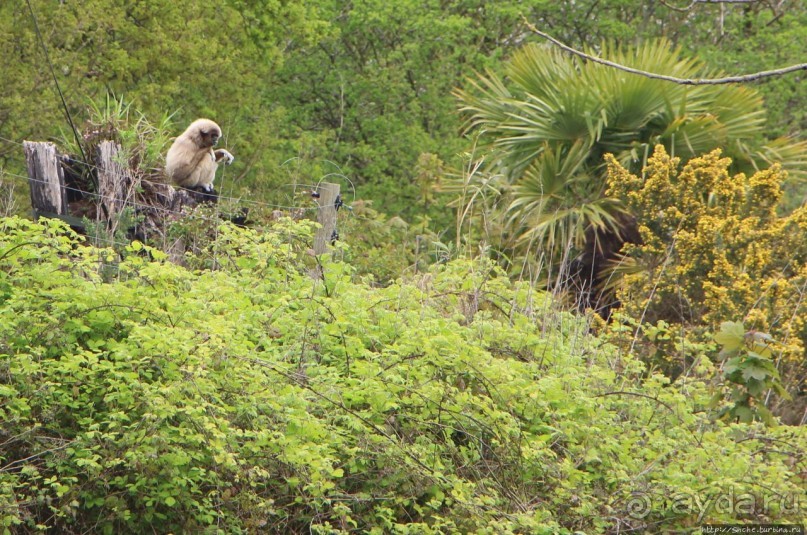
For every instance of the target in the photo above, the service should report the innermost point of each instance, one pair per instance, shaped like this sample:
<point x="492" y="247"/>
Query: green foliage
<point x="713" y="248"/>
<point x="384" y="247"/>
<point x="749" y="365"/>
<point x="114" y="236"/>
<point x="8" y="201"/>
<point x="757" y="37"/>
<point x="143" y="142"/>
<point x="188" y="59"/>
<point x="363" y="85"/>
<point x="378" y="85"/>
<point x="253" y="397"/>
<point x="547" y="129"/>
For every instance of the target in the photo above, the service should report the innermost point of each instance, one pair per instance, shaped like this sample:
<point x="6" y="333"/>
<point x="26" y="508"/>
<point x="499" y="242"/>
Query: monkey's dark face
<point x="209" y="136"/>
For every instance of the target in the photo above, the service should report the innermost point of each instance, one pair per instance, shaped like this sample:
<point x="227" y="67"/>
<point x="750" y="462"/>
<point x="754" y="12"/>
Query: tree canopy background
<point x="304" y="89"/>
<point x="417" y="382"/>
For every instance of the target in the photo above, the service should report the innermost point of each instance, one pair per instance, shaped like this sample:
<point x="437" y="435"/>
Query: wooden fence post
<point x="45" y="179"/>
<point x="114" y="181"/>
<point x="328" y="202"/>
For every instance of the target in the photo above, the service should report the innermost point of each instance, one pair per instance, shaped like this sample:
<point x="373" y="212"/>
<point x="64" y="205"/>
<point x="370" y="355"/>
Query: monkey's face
<point x="209" y="136"/>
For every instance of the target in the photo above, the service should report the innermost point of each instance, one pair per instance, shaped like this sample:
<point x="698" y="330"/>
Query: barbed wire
<point x="161" y="212"/>
<point x="235" y="200"/>
<point x="693" y="3"/>
<point x="220" y="196"/>
<point x="109" y="241"/>
<point x="106" y="241"/>
<point x="132" y="202"/>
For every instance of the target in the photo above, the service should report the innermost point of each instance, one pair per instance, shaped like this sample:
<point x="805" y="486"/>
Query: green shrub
<point x="714" y="249"/>
<point x="253" y="397"/>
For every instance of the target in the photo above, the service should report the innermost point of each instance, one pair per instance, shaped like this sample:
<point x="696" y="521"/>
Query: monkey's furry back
<point x="190" y="161"/>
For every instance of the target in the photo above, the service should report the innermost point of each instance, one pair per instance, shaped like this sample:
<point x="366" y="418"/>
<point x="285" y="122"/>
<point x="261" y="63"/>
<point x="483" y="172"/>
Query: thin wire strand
<point x="156" y="207"/>
<point x="166" y="211"/>
<point x="56" y="80"/>
<point x="131" y="202"/>
<point x="235" y="200"/>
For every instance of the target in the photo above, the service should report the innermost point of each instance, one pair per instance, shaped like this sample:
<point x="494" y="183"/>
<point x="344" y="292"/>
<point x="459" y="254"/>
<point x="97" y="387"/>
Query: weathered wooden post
<point x="329" y="201"/>
<point x="114" y="181"/>
<point x="45" y="179"/>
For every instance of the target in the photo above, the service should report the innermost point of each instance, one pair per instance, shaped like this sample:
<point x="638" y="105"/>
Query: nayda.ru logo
<point x="740" y="504"/>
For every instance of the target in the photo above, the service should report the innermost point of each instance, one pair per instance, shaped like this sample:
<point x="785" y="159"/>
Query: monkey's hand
<point x="222" y="155"/>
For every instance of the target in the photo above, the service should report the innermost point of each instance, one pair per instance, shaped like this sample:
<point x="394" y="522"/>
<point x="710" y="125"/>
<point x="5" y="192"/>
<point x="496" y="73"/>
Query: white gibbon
<point x="191" y="161"/>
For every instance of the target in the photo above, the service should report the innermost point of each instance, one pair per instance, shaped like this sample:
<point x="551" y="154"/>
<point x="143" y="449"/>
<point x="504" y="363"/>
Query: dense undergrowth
<point x="715" y="248"/>
<point x="275" y="393"/>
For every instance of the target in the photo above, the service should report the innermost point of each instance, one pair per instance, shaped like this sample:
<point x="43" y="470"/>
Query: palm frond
<point x="790" y="152"/>
<point x="548" y="126"/>
<point x="617" y="268"/>
<point x="557" y="229"/>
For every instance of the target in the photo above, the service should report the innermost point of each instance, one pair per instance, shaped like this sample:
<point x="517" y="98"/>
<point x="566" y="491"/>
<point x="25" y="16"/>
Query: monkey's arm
<point x="182" y="165"/>
<point x="222" y="154"/>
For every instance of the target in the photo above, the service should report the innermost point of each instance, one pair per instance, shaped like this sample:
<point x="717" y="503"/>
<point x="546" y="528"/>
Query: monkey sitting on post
<point x="191" y="161"/>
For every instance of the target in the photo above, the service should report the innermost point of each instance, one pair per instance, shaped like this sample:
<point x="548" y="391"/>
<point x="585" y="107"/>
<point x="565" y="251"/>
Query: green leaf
<point x="766" y="416"/>
<point x="732" y="365"/>
<point x="731" y="337"/>
<point x="755" y="372"/>
<point x="755" y="387"/>
<point x="743" y="414"/>
<point x="715" y="400"/>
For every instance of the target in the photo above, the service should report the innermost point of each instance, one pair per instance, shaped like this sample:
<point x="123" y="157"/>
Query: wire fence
<point x="236" y="201"/>
<point x="156" y="207"/>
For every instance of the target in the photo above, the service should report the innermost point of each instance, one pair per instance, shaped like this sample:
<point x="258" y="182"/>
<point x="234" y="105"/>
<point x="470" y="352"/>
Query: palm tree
<point x="547" y="127"/>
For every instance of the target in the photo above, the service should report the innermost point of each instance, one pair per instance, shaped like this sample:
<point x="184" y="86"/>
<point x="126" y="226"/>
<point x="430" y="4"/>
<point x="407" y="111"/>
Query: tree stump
<point x="115" y="183"/>
<point x="45" y="179"/>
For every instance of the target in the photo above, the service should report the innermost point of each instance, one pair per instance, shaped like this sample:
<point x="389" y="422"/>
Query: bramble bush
<point x="138" y="396"/>
<point x="715" y="249"/>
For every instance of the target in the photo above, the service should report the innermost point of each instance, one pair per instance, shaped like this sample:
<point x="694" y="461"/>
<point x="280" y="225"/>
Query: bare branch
<point x="682" y="81"/>
<point x="695" y="2"/>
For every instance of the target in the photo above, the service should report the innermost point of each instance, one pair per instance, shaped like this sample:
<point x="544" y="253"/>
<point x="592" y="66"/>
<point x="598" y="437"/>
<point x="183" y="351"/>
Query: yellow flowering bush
<point x="713" y="249"/>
